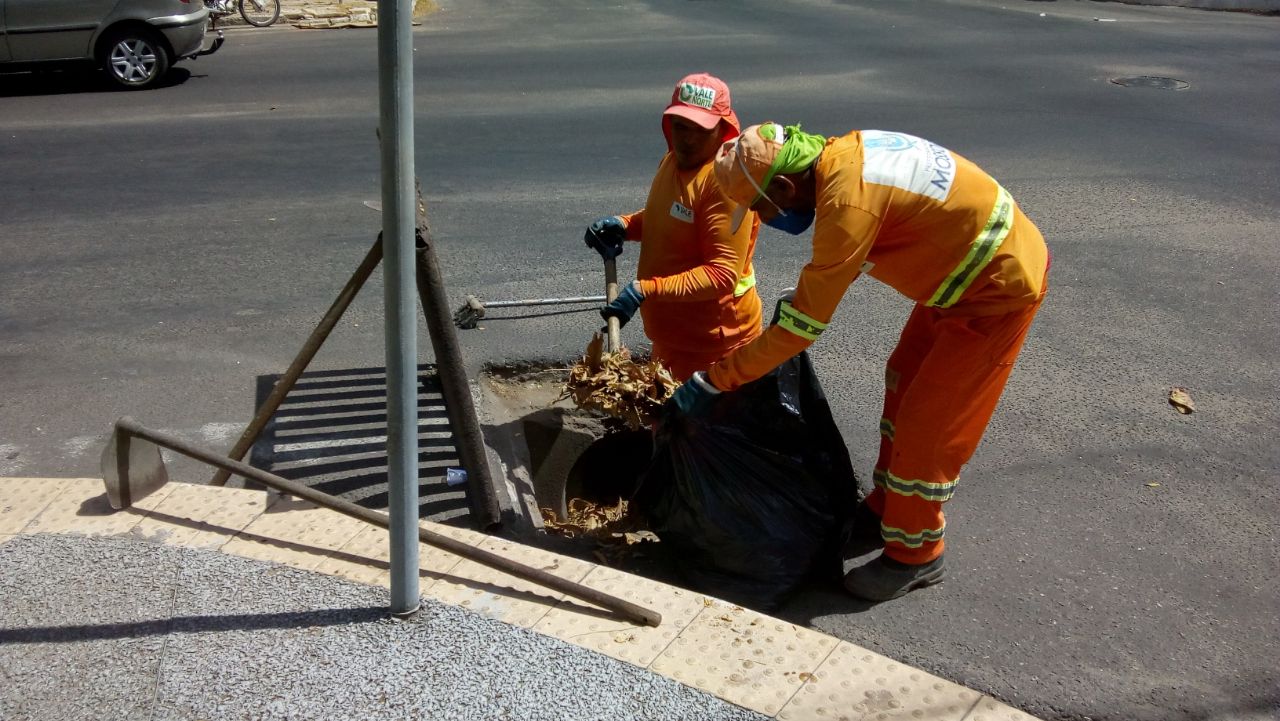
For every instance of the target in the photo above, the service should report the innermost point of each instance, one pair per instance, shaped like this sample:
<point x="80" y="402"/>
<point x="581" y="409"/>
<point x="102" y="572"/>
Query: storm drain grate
<point x="330" y="433"/>
<point x="1151" y="81"/>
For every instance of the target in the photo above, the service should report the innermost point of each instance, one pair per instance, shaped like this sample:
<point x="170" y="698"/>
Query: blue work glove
<point x="695" y="395"/>
<point x="606" y="236"/>
<point x="625" y="305"/>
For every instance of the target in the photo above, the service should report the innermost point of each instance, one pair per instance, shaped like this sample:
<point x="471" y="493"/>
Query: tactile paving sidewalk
<point x="755" y="661"/>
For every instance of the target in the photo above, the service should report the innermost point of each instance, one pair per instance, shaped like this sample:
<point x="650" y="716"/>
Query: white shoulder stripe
<point x="907" y="162"/>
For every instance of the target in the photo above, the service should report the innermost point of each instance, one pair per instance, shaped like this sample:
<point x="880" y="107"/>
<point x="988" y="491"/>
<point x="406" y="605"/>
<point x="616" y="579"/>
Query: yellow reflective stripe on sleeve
<point x="938" y="492"/>
<point x="980" y="253"/>
<point x="886" y="428"/>
<point x="912" y="540"/>
<point x="879" y="477"/>
<point x="744" y="284"/>
<point x="799" y="323"/>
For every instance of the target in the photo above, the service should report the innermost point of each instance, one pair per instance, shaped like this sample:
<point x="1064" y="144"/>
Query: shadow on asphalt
<point x="72" y="80"/>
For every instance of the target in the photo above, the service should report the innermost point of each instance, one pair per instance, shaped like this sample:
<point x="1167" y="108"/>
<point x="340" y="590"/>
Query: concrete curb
<point x="746" y="658"/>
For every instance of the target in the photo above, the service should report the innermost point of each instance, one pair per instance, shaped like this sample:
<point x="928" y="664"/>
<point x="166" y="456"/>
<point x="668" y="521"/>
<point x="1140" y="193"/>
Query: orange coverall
<point x="935" y="227"/>
<point x="696" y="276"/>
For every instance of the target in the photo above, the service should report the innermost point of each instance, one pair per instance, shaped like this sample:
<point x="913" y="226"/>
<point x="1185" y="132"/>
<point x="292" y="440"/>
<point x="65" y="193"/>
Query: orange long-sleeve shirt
<point x="917" y="217"/>
<point x="695" y="274"/>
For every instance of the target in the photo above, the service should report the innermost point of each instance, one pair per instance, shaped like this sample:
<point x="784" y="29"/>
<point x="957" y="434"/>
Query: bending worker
<point x="694" y="274"/>
<point x="939" y="230"/>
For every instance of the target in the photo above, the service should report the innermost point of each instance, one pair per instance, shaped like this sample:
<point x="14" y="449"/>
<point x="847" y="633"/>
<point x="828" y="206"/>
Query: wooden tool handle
<point x="610" y="293"/>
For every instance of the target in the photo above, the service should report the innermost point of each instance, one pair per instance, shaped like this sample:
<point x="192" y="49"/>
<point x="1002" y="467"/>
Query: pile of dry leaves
<point x="613" y="527"/>
<point x="619" y="386"/>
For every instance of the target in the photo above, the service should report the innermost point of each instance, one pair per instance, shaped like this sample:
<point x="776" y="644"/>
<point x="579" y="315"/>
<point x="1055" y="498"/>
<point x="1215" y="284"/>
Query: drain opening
<point x="610" y="468"/>
<point x="1151" y="81"/>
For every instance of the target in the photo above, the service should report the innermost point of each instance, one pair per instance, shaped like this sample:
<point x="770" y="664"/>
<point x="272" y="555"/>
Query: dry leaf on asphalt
<point x="1181" y="400"/>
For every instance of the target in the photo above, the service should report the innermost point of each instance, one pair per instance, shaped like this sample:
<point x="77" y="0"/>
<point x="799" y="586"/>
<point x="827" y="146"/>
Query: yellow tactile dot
<point x="295" y="533"/>
<point x="989" y="709"/>
<point x="855" y="684"/>
<point x="201" y="516"/>
<point x="492" y="593"/>
<point x="366" y="559"/>
<point x="697" y="657"/>
<point x="82" y="508"/>
<point x="466" y="535"/>
<point x="22" y="499"/>
<point x="572" y="621"/>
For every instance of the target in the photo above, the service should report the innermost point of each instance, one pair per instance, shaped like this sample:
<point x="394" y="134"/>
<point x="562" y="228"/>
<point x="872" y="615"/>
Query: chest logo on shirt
<point x="907" y="162"/>
<point x="679" y="212"/>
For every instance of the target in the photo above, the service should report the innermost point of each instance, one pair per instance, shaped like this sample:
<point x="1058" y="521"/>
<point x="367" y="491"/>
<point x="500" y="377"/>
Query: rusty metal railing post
<point x="453" y="378"/>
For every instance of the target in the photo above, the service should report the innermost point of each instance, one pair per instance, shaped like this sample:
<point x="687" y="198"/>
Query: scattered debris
<point x="619" y="386"/>
<point x="606" y="523"/>
<point x="616" y="529"/>
<point x="1180" y="399"/>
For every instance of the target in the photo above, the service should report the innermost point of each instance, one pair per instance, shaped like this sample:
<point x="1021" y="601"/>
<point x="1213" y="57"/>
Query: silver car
<point x="134" y="41"/>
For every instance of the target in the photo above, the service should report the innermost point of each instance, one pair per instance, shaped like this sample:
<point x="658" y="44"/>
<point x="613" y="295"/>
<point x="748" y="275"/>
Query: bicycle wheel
<point x="259" y="13"/>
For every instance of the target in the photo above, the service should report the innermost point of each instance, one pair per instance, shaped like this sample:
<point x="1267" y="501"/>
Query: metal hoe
<point x="133" y="469"/>
<point x="472" y="310"/>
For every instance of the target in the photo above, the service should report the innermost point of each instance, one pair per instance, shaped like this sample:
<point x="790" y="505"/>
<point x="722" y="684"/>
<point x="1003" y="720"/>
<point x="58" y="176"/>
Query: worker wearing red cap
<point x="694" y="275"/>
<point x="935" y="227"/>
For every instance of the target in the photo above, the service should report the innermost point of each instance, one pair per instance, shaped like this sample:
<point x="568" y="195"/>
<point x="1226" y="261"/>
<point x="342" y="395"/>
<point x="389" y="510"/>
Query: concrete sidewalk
<point x="179" y="632"/>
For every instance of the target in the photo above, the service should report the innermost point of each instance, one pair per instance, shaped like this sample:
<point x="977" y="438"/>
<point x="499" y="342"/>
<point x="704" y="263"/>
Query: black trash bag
<point x="753" y="497"/>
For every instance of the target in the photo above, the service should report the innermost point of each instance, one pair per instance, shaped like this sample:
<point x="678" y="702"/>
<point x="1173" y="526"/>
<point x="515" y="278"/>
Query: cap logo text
<point x="697" y="95"/>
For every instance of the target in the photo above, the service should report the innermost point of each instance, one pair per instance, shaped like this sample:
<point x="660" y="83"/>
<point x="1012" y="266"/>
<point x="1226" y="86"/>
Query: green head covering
<point x="798" y="153"/>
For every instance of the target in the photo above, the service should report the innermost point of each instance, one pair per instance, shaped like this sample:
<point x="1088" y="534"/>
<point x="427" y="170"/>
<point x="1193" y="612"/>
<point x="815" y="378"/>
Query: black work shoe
<point x="884" y="579"/>
<point x="864" y="533"/>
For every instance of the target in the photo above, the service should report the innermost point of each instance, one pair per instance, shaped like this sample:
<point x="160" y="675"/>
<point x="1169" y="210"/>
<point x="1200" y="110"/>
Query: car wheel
<point x="135" y="58"/>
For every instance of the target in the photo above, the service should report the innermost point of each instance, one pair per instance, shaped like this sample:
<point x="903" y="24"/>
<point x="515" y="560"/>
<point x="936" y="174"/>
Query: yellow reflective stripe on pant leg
<point x="744" y="284"/>
<point x="940" y="492"/>
<point x="886" y="428"/>
<point x="798" y="323"/>
<point x="912" y="540"/>
<point x="879" y="477"/>
<point x="981" y="251"/>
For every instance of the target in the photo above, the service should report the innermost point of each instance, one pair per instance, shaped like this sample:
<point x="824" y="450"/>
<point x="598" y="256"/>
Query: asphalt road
<point x="1110" y="558"/>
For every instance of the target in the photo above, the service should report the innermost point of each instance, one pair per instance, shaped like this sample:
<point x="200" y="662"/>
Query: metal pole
<point x="395" y="96"/>
<point x="468" y="438"/>
<point x="126" y="428"/>
<point x="303" y="359"/>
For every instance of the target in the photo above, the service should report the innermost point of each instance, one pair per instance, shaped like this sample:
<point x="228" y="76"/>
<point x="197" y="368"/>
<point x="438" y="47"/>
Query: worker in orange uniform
<point x="694" y="275"/>
<point x="936" y="228"/>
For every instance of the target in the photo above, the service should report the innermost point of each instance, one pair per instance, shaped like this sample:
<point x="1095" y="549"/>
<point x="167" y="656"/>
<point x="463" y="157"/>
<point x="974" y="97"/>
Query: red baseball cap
<point x="703" y="99"/>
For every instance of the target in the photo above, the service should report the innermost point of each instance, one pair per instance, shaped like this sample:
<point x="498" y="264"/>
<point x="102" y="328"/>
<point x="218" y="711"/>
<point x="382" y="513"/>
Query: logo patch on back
<point x="679" y="212"/>
<point x="907" y="162"/>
